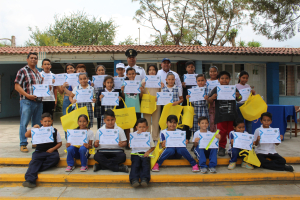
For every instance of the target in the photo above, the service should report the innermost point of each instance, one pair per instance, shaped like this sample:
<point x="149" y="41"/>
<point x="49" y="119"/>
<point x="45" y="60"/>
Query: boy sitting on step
<point x="45" y="154"/>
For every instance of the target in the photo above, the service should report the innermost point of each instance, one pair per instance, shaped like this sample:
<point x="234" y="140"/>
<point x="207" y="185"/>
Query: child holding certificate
<point x="83" y="80"/>
<point x="266" y="152"/>
<point x="110" y="153"/>
<point x="213" y="73"/>
<point x="140" y="164"/>
<point x="45" y="155"/>
<point x="171" y="87"/>
<point x="80" y="152"/>
<point x="176" y="152"/>
<point x="200" y="151"/>
<point x="239" y="127"/>
<point x="225" y="112"/>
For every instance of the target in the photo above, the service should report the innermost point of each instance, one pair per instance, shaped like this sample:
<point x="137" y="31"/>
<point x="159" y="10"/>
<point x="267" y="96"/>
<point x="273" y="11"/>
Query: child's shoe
<point x="144" y="182"/>
<point x="135" y="183"/>
<point x="232" y="165"/>
<point x="83" y="168"/>
<point x="246" y="165"/>
<point x="221" y="151"/>
<point x="96" y="167"/>
<point x="155" y="168"/>
<point x="288" y="168"/>
<point x="195" y="168"/>
<point x="203" y="170"/>
<point x="212" y="170"/>
<point x="70" y="168"/>
<point x="29" y="184"/>
<point x="123" y="168"/>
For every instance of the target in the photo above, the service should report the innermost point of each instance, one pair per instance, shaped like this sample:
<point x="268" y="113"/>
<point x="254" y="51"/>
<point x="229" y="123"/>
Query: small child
<point x="238" y="126"/>
<point x="177" y="152"/>
<point x="45" y="155"/>
<point x="81" y="152"/>
<point x="120" y="69"/>
<point x="110" y="156"/>
<point x="202" y="154"/>
<point x="266" y="152"/>
<point x="140" y="165"/>
<point x="213" y="73"/>
<point x="225" y="112"/>
<point x="171" y="87"/>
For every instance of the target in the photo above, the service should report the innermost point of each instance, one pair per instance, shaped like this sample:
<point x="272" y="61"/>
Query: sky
<point x="17" y="15"/>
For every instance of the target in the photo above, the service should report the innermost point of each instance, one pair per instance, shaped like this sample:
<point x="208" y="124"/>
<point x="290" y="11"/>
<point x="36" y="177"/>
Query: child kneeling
<point x="45" y="155"/>
<point x="201" y="153"/>
<point x="173" y="151"/>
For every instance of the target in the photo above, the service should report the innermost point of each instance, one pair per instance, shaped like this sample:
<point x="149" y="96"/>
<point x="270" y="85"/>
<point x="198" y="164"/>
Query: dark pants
<point x="188" y="132"/>
<point x="276" y="163"/>
<point x="110" y="160"/>
<point x="140" y="167"/>
<point x="40" y="162"/>
<point x="48" y="106"/>
<point x="98" y="122"/>
<point x="234" y="155"/>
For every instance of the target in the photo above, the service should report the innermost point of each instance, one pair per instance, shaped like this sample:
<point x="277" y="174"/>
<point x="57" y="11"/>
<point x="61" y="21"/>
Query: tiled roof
<point x="154" y="49"/>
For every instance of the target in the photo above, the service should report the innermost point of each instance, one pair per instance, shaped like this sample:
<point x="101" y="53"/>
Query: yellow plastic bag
<point x="69" y="121"/>
<point x="250" y="157"/>
<point x="253" y="107"/>
<point x="169" y="110"/>
<point x="125" y="117"/>
<point x="148" y="103"/>
<point x="156" y="153"/>
<point x="188" y="115"/>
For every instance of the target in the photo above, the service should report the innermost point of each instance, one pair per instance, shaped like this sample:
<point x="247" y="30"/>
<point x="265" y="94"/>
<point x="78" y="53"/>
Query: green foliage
<point x="2" y="45"/>
<point x="242" y="43"/>
<point x="231" y="35"/>
<point x="129" y="41"/>
<point x="60" y="98"/>
<point x="254" y="44"/>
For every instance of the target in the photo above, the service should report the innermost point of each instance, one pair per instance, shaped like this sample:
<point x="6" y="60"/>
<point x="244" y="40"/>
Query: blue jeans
<point x="248" y="124"/>
<point x="73" y="152"/>
<point x="234" y="154"/>
<point x="66" y="103"/>
<point x="29" y="110"/>
<point x="202" y="154"/>
<point x="171" y="151"/>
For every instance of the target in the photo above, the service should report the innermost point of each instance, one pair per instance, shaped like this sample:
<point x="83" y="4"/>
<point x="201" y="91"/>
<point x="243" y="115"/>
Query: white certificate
<point x="152" y="82"/>
<point x="205" y="139"/>
<point x="163" y="98"/>
<point x="242" y="140"/>
<point x="197" y="93"/>
<point x="118" y="81"/>
<point x="110" y="99"/>
<point x="245" y="93"/>
<point x="132" y="87"/>
<point x="48" y="78"/>
<point x="226" y="92"/>
<point x="108" y="136"/>
<point x="140" y="140"/>
<point x="98" y="81"/>
<point x="41" y="90"/>
<point x="72" y="79"/>
<point x="77" y="137"/>
<point x="60" y="79"/>
<point x="211" y="85"/>
<point x="269" y="135"/>
<point x="175" y="139"/>
<point x="190" y="79"/>
<point x="42" y="135"/>
<point x="138" y="78"/>
<point x="85" y="95"/>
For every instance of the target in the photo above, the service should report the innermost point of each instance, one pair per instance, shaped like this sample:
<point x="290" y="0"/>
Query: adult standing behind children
<point x="166" y="65"/>
<point x="31" y="107"/>
<point x="131" y="60"/>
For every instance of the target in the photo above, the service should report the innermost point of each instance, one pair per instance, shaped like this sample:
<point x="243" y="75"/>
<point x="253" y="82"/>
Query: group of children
<point x="210" y="114"/>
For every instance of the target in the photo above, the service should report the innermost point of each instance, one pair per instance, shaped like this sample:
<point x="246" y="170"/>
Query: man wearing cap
<point x="131" y="60"/>
<point x="166" y="65"/>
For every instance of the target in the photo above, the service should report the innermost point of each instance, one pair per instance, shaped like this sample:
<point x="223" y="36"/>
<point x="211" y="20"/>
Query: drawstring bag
<point x="188" y="115"/>
<point x="148" y="103"/>
<point x="253" y="107"/>
<point x="125" y="117"/>
<point x="250" y="157"/>
<point x="69" y="121"/>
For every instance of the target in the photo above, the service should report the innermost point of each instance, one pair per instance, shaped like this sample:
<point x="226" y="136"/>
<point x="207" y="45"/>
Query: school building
<point x="274" y="72"/>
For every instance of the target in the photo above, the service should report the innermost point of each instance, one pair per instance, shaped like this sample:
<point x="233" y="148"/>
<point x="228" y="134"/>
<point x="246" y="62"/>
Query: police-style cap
<point x="131" y="53"/>
<point x="166" y="59"/>
<point x="120" y="65"/>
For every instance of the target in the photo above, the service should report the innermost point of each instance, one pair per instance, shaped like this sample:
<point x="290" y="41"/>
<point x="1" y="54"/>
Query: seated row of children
<point x="111" y="157"/>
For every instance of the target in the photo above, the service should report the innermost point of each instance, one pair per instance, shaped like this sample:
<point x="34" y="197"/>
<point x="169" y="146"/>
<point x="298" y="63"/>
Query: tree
<point x="242" y="43"/>
<point x="275" y="19"/>
<point x="254" y="44"/>
<point x="231" y="35"/>
<point x="129" y="41"/>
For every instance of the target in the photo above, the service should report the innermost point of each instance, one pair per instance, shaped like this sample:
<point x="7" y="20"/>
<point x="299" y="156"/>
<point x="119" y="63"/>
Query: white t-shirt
<point x="90" y="135"/>
<point x="51" y="97"/>
<point x="264" y="148"/>
<point x="163" y="76"/>
<point x="122" y="138"/>
<point x="136" y="150"/>
<point x="179" y="90"/>
<point x="58" y="138"/>
<point x="197" y="133"/>
<point x="139" y="70"/>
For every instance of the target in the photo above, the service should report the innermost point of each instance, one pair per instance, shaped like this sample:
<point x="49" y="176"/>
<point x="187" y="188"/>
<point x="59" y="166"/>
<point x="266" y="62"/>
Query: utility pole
<point x="12" y="40"/>
<point x="139" y="36"/>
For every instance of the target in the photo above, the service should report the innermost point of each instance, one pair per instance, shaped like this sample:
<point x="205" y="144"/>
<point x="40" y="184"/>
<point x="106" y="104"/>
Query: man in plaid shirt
<point x="31" y="107"/>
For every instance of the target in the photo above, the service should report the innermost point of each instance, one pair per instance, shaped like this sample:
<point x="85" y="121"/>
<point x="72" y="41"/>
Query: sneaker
<point x="28" y="184"/>
<point x="33" y="146"/>
<point x="232" y="165"/>
<point x="96" y="167"/>
<point x="24" y="149"/>
<point x="289" y="168"/>
<point x="135" y="183"/>
<point x="84" y="168"/>
<point x="221" y="151"/>
<point x="144" y="182"/>
<point x="155" y="168"/>
<point x="203" y="170"/>
<point x="212" y="170"/>
<point x="70" y="168"/>
<point x="123" y="168"/>
<point x="193" y="148"/>
<point x="247" y="165"/>
<point x="195" y="168"/>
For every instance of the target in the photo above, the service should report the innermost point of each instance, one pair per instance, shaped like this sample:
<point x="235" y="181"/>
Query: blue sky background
<point x="17" y="15"/>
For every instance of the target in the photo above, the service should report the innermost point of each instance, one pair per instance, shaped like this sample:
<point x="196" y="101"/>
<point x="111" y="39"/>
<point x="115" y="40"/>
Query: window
<point x="282" y="80"/>
<point x="290" y="80"/>
<point x="205" y="70"/>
